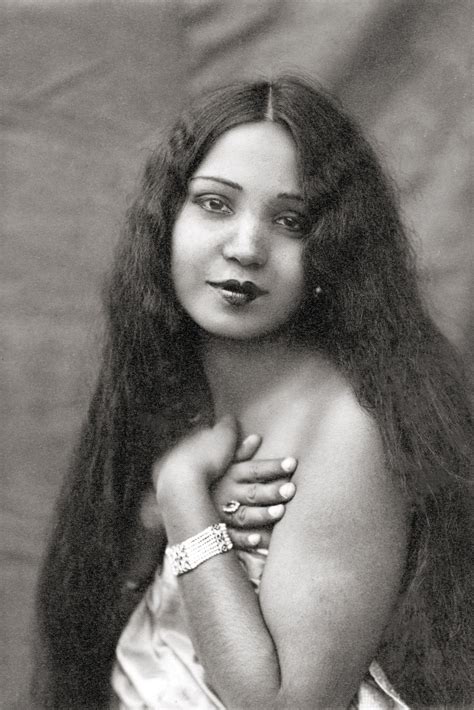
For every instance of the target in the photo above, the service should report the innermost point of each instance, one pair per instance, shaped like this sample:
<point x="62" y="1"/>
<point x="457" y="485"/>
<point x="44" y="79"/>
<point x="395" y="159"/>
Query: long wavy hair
<point x="369" y="319"/>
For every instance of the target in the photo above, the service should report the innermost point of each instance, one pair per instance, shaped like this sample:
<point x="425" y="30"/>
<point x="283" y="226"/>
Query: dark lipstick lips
<point x="248" y="288"/>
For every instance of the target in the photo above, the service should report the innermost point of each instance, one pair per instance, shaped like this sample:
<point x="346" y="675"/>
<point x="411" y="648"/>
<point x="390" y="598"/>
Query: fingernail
<point x="289" y="464"/>
<point x="287" y="490"/>
<point x="251" y="439"/>
<point x="254" y="539"/>
<point x="275" y="511"/>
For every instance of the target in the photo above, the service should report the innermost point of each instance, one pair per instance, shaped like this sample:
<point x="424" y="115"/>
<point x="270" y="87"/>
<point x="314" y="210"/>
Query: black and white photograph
<point x="236" y="352"/>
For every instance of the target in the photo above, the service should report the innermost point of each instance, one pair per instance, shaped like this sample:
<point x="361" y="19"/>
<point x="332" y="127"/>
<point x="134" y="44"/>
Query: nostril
<point x="245" y="255"/>
<point x="246" y="244"/>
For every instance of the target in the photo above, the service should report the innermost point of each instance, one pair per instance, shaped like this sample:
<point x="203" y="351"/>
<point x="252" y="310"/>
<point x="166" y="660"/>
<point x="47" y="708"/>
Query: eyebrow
<point x="290" y="196"/>
<point x="229" y="183"/>
<point x="236" y="186"/>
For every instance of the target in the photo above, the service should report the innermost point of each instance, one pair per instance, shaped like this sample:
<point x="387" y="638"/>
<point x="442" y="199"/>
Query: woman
<point x="265" y="284"/>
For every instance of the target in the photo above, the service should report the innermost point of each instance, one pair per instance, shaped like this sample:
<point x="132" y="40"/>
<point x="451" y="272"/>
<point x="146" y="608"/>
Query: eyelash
<point x="298" y="227"/>
<point x="212" y="198"/>
<point x="298" y="220"/>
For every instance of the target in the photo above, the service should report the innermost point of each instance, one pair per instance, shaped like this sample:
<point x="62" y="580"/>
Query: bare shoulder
<point x="336" y="559"/>
<point x="334" y="414"/>
<point x="345" y="421"/>
<point x="349" y="519"/>
<point x="344" y="486"/>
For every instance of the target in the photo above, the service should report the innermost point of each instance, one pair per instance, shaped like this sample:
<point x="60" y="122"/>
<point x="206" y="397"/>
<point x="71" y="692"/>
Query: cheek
<point x="190" y="258"/>
<point x="183" y="250"/>
<point x="189" y="241"/>
<point x="180" y="259"/>
<point x="292" y="273"/>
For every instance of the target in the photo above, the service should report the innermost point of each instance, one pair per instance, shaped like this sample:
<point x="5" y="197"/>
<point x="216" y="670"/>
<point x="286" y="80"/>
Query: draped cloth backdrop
<point x="88" y="86"/>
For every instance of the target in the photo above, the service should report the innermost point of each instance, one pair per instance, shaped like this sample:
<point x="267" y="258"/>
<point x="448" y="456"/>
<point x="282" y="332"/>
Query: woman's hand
<point x="261" y="487"/>
<point x="201" y="453"/>
<point x="210" y="460"/>
<point x="198" y="459"/>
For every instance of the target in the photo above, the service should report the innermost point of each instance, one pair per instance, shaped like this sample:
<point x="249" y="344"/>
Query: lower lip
<point x="234" y="298"/>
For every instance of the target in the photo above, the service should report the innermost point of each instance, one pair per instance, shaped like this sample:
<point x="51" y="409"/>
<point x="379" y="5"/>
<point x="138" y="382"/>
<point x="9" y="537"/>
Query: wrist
<point x="189" y="554"/>
<point x="185" y="504"/>
<point x="173" y="482"/>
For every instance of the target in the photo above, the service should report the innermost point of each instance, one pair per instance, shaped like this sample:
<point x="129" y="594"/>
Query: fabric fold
<point x="156" y="667"/>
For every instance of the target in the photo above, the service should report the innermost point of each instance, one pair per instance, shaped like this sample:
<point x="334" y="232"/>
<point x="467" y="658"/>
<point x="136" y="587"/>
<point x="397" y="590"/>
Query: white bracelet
<point x="187" y="555"/>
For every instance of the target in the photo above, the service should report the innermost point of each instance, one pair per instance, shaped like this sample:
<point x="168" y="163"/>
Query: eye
<point x="213" y="203"/>
<point x="293" y="222"/>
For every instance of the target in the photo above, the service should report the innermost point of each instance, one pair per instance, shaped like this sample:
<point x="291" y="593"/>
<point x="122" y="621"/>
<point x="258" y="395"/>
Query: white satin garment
<point x="156" y="668"/>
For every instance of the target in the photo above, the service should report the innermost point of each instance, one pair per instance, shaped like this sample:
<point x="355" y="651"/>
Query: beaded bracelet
<point x="189" y="554"/>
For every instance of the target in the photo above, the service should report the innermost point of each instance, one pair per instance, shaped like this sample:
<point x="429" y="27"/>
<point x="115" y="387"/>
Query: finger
<point x="256" y="539"/>
<point x="248" y="447"/>
<point x="254" y="517"/>
<point x="266" y="494"/>
<point x="263" y="470"/>
<point x="281" y="490"/>
<point x="226" y="429"/>
<point x="217" y="446"/>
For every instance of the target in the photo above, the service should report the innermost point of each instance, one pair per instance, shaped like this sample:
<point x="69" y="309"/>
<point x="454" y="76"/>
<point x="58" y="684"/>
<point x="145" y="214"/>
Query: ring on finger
<point x="231" y="507"/>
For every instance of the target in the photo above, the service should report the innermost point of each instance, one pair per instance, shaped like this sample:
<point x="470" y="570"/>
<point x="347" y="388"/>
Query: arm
<point x="339" y="556"/>
<point x="330" y="582"/>
<point x="221" y="605"/>
<point x="255" y="483"/>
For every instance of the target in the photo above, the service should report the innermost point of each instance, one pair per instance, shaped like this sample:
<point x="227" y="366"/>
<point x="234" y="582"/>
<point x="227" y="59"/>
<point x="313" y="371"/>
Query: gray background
<point x="87" y="87"/>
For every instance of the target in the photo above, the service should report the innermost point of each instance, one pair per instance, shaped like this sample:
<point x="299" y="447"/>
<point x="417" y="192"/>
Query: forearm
<point x="334" y="539"/>
<point x="225" y="621"/>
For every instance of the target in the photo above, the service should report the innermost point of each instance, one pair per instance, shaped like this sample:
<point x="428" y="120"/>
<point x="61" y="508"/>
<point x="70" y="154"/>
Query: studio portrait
<point x="236" y="349"/>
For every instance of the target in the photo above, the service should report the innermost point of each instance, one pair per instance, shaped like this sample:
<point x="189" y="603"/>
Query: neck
<point x="241" y="372"/>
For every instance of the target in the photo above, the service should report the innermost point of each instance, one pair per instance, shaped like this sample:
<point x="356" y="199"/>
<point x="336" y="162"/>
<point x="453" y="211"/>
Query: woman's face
<point x="237" y="242"/>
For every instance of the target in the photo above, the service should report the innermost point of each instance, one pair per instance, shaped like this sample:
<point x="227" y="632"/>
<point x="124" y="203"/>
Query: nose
<point x="246" y="243"/>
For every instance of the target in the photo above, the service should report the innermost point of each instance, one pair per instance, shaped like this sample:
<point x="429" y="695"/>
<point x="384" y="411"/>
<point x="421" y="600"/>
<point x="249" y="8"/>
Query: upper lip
<point x="248" y="287"/>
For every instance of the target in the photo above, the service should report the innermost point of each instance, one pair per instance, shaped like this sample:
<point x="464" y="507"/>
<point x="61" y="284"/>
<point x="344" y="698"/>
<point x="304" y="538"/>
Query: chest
<point x="284" y="405"/>
<point x="287" y="421"/>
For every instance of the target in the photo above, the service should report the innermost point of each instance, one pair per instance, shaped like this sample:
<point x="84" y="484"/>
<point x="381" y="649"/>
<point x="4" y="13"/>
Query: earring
<point x="318" y="291"/>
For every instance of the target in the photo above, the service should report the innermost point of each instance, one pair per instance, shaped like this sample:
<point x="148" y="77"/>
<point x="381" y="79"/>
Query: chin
<point x="242" y="331"/>
<point x="234" y="333"/>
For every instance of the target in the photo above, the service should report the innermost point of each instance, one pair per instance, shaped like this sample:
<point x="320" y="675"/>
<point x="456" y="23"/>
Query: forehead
<point x="262" y="152"/>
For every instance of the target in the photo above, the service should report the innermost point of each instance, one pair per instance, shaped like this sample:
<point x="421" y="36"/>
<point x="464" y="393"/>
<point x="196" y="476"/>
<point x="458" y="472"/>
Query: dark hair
<point x="371" y="322"/>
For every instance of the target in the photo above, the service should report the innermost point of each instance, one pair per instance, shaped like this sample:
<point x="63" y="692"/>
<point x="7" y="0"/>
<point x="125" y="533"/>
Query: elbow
<point x="292" y="701"/>
<point x="308" y="697"/>
<point x="289" y="701"/>
<point x="258" y="689"/>
<point x="256" y="695"/>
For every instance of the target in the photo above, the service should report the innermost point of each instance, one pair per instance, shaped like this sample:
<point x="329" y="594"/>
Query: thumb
<point x="248" y="447"/>
<point x="222" y="446"/>
<point x="226" y="431"/>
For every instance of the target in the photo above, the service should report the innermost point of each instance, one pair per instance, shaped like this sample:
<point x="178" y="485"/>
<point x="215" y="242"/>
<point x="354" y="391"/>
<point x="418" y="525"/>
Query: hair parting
<point x="269" y="107"/>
